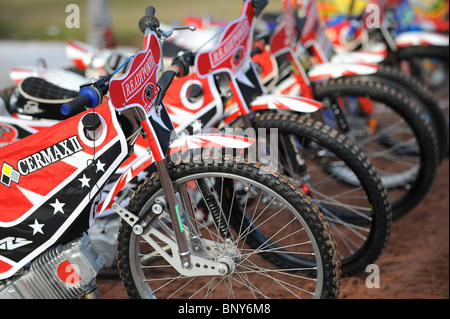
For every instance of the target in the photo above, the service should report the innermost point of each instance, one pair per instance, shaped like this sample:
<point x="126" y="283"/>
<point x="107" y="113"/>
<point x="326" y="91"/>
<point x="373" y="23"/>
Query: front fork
<point x="186" y="235"/>
<point x="186" y="263"/>
<point x="169" y="192"/>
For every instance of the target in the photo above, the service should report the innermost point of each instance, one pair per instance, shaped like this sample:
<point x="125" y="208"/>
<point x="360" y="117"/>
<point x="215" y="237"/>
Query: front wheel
<point x="425" y="98"/>
<point x="340" y="180"/>
<point x="390" y="129"/>
<point x="270" y="236"/>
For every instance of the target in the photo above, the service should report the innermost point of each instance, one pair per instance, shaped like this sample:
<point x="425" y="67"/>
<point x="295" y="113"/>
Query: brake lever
<point x="169" y="33"/>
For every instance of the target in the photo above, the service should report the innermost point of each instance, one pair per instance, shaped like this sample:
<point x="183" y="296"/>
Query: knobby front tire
<point x="393" y="134"/>
<point x="281" y="246"/>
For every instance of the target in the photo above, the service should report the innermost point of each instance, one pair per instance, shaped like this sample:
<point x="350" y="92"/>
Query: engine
<point x="103" y="236"/>
<point x="64" y="272"/>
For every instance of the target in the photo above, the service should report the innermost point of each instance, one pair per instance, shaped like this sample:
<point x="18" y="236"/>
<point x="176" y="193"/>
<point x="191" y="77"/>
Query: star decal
<point x="58" y="207"/>
<point x="197" y="127"/>
<point x="84" y="181"/>
<point x="37" y="228"/>
<point x="100" y="166"/>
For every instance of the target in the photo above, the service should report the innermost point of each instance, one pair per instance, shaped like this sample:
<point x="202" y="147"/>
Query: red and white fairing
<point x="417" y="38"/>
<point x="48" y="180"/>
<point x="233" y="48"/>
<point x="180" y="145"/>
<point x="137" y="87"/>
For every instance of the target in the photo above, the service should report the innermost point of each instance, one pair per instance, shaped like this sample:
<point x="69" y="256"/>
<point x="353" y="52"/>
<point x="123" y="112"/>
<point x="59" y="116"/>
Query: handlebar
<point x="183" y="61"/>
<point x="149" y="20"/>
<point x="75" y="105"/>
<point x="90" y="95"/>
<point x="258" y="48"/>
<point x="180" y="67"/>
<point x="150" y="11"/>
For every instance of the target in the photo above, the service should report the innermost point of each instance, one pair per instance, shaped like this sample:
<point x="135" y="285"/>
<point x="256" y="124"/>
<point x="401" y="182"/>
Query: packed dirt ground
<point x="414" y="265"/>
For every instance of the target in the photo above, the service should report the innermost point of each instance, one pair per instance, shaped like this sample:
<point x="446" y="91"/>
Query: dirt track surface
<point x="414" y="265"/>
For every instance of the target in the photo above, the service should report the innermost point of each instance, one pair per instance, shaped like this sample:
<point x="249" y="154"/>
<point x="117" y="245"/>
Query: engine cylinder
<point x="65" y="272"/>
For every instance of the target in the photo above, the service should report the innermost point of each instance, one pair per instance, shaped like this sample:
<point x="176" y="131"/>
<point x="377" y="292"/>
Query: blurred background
<point x="31" y="30"/>
<point x="46" y="19"/>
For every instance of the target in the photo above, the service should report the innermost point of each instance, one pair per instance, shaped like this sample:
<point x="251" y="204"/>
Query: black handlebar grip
<point x="164" y="82"/>
<point x="149" y="20"/>
<point x="150" y="11"/>
<point x="182" y="62"/>
<point x="75" y="105"/>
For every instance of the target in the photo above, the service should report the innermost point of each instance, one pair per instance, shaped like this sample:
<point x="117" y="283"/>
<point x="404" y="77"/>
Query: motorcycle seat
<point x="37" y="98"/>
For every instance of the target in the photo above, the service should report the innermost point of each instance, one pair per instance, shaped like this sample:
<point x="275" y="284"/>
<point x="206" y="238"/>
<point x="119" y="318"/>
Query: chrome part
<point x="65" y="272"/>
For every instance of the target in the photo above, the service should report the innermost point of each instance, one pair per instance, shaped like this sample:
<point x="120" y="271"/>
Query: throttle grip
<point x="183" y="61"/>
<point x="74" y="105"/>
<point x="88" y="97"/>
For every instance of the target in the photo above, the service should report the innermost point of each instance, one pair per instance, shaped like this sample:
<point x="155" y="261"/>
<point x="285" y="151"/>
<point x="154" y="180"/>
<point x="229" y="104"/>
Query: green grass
<point x="46" y="19"/>
<point x="27" y="19"/>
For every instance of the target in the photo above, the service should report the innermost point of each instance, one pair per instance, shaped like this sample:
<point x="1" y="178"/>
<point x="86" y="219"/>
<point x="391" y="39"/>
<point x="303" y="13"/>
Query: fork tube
<point x="189" y="207"/>
<point x="173" y="211"/>
<point x="169" y="192"/>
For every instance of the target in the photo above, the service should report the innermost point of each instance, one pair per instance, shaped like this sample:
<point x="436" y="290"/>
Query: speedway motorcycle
<point x="50" y="183"/>
<point x="224" y="92"/>
<point x="229" y="95"/>
<point x="391" y="130"/>
<point x="316" y="41"/>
